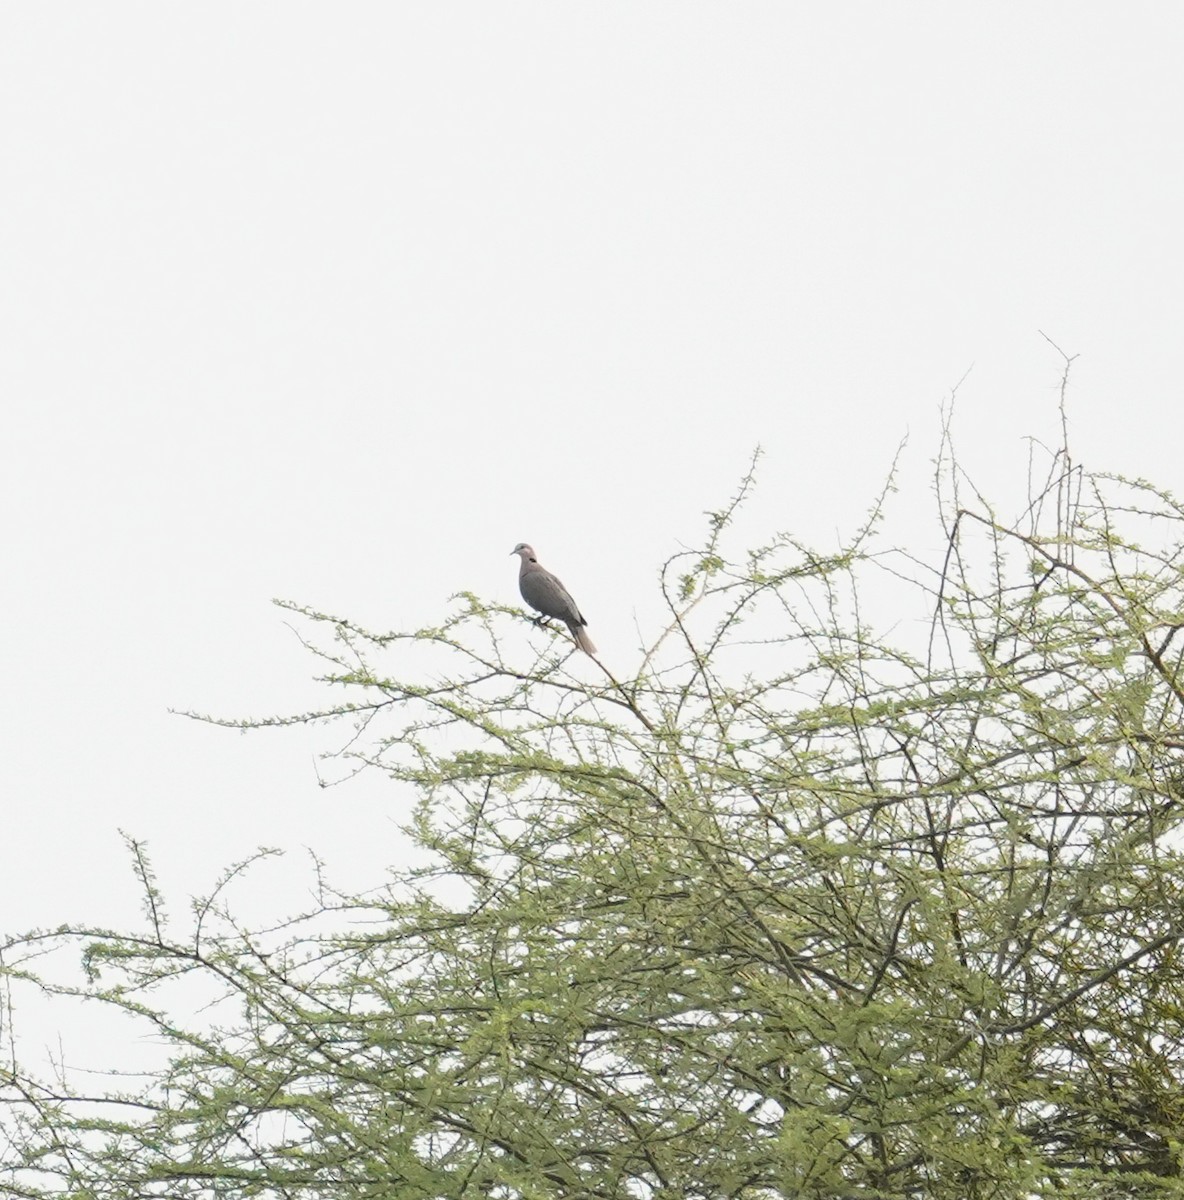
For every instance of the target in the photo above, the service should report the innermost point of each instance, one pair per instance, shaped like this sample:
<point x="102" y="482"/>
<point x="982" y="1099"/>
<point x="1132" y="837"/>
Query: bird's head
<point x="524" y="551"/>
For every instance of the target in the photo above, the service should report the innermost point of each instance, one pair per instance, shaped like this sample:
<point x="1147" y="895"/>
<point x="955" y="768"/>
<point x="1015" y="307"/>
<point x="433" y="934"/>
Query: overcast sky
<point x="338" y="302"/>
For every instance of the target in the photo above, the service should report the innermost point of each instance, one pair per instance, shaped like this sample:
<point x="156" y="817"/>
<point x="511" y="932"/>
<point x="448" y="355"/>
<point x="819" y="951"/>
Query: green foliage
<point x="796" y="910"/>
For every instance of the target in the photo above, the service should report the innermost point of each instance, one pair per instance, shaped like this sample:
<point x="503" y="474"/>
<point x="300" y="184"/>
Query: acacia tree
<point x="794" y="910"/>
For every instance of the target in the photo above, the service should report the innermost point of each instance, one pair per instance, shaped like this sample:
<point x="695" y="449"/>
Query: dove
<point x="542" y="591"/>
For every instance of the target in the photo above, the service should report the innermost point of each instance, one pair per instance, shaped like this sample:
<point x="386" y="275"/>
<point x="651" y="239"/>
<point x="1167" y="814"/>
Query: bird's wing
<point x="541" y="590"/>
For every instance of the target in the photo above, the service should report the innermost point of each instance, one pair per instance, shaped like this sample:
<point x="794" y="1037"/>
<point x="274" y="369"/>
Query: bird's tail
<point x="582" y="639"/>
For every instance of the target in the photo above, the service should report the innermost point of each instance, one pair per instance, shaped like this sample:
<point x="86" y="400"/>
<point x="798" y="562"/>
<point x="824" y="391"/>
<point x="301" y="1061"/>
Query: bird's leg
<point x="542" y="622"/>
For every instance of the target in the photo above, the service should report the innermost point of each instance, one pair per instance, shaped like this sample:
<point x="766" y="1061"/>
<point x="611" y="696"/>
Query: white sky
<point x="338" y="302"/>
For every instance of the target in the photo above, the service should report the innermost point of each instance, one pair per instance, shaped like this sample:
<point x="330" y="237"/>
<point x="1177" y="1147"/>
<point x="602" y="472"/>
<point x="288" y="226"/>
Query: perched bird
<point x="541" y="590"/>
